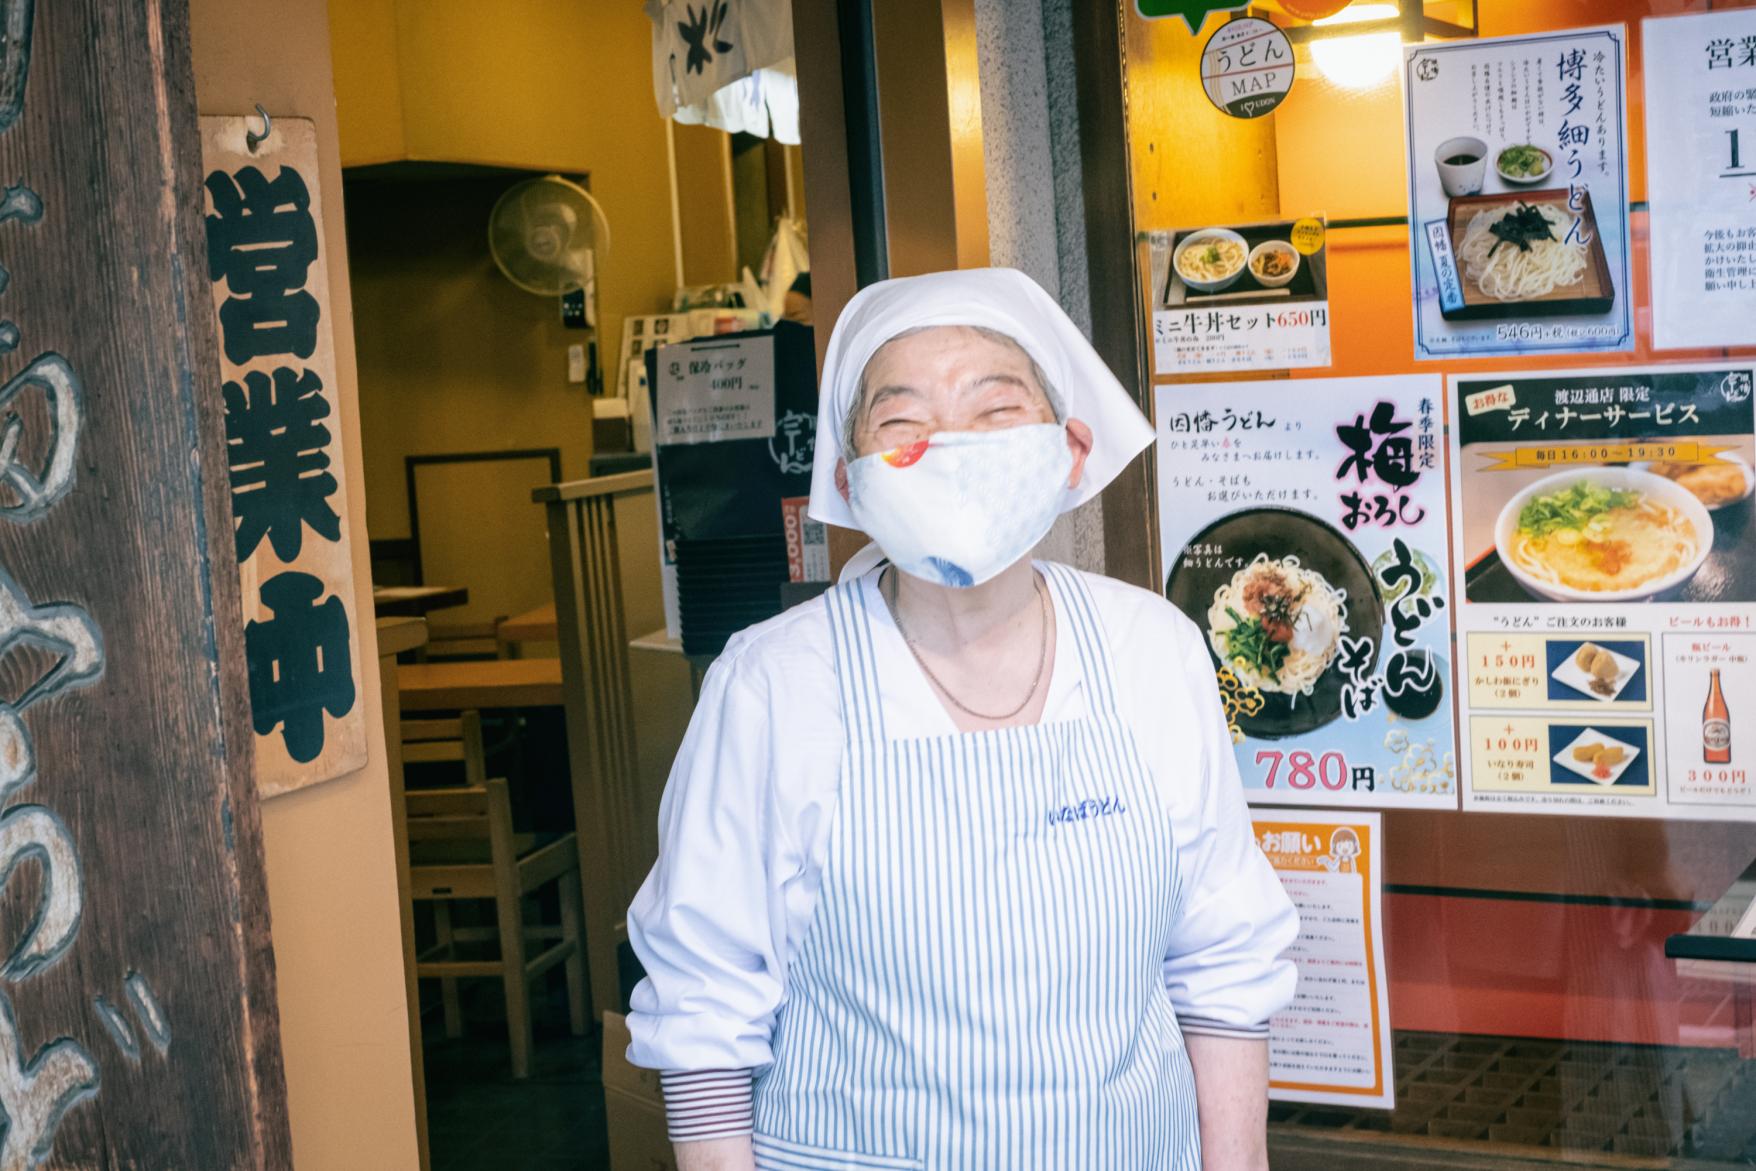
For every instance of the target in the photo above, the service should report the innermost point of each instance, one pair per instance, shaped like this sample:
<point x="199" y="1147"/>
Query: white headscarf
<point x="1001" y="299"/>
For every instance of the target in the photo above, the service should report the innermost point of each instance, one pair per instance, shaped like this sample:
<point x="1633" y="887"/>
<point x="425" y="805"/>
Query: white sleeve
<point x="1224" y="969"/>
<point x="708" y="923"/>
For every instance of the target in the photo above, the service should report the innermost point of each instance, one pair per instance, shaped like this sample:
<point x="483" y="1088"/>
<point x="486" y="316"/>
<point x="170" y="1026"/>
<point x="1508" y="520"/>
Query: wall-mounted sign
<point x="1251" y="297"/>
<point x="1332" y="1044"/>
<point x="1701" y="177"/>
<point x="1518" y="194"/>
<point x="1303" y="527"/>
<point x="1247" y="68"/>
<point x="1606" y="562"/>
<point x="1193" y="12"/>
<point x="289" y="491"/>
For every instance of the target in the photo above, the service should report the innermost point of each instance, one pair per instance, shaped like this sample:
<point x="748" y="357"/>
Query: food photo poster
<point x="1701" y="177"/>
<point x="1518" y="194"/>
<point x="1304" y="533"/>
<point x="1606" y="584"/>
<point x="1240" y="297"/>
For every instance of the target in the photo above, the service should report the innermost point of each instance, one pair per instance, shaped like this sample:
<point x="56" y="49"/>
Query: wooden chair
<point x="465" y="640"/>
<point x="462" y="846"/>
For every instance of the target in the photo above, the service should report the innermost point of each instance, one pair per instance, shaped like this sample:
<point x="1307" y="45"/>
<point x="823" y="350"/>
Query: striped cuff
<point x="706" y="1103"/>
<point x="1202" y="1027"/>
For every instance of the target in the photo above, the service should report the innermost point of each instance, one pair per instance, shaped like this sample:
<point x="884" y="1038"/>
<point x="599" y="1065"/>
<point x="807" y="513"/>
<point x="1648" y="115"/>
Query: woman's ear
<point x="841" y="477"/>
<point x="1079" y="442"/>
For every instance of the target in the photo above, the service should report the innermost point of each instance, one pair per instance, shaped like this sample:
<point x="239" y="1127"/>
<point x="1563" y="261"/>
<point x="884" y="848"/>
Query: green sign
<point x="1193" y="12"/>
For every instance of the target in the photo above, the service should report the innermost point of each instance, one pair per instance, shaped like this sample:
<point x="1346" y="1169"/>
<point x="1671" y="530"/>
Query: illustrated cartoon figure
<point x="1344" y="847"/>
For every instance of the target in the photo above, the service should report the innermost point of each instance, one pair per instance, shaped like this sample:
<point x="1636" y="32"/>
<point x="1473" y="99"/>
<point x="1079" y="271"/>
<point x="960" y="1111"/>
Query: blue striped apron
<point x="981" y="986"/>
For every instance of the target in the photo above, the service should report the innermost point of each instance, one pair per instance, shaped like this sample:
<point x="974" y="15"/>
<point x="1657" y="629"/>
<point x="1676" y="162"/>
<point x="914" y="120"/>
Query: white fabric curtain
<point x="726" y="63"/>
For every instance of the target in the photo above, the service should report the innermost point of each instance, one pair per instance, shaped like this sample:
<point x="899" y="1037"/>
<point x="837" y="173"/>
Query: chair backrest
<point x="455" y="739"/>
<point x="473" y="813"/>
<point x="465" y="640"/>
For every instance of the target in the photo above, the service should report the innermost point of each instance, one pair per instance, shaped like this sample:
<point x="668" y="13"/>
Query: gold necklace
<point x="1042" y="652"/>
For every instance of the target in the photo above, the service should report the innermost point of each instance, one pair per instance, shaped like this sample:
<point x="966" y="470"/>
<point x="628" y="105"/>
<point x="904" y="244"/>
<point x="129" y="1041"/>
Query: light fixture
<point x="1360" y="46"/>
<point x="1360" y="60"/>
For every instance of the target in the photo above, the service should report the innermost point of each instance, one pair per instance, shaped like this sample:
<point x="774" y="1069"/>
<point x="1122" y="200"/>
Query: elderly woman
<point x="955" y="867"/>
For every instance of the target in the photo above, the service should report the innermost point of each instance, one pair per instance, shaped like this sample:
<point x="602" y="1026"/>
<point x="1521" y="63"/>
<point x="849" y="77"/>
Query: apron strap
<point x="856" y="662"/>
<point x="1088" y="635"/>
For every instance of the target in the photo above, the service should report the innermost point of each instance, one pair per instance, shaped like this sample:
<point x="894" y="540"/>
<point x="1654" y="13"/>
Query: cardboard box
<point x="634" y="1107"/>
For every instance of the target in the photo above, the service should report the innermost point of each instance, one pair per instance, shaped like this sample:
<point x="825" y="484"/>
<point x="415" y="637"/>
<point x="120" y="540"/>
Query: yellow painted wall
<point x="453" y="357"/>
<point x="331" y="873"/>
<point x="1193" y="165"/>
<point x="368" y="81"/>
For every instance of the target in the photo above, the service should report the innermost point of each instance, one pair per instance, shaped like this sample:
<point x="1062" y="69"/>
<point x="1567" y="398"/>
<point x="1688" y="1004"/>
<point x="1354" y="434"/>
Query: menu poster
<point x="1331" y="1044"/>
<point x="1246" y="297"/>
<point x="1701" y="177"/>
<point x="1607" y="565"/>
<point x="1303" y="527"/>
<point x="1518" y="194"/>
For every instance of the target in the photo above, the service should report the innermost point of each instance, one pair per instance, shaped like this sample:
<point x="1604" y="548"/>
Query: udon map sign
<point x="1606" y="567"/>
<point x="1303" y="530"/>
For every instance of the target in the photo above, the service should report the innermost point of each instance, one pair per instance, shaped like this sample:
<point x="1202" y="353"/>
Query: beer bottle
<point x="1716" y="725"/>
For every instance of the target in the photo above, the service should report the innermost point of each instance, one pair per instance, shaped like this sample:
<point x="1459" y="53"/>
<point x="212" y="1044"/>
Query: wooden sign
<point x="137" y="999"/>
<point x="289" y="496"/>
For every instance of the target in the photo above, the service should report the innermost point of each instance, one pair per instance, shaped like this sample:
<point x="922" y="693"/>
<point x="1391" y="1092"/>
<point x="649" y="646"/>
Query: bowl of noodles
<point x="1521" y="251"/>
<point x="1278" y="625"/>
<point x="1603" y="535"/>
<point x="1211" y="260"/>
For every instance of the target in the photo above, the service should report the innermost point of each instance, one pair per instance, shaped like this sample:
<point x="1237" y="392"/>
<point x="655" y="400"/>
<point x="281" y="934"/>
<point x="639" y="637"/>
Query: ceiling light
<point x="1362" y="60"/>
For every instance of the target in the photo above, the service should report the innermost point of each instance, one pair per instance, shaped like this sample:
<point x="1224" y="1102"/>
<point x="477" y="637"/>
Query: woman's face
<point x="952" y="378"/>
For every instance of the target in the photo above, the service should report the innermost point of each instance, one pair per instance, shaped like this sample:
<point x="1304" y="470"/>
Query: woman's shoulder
<point x="793" y="649"/>
<point x="1136" y="620"/>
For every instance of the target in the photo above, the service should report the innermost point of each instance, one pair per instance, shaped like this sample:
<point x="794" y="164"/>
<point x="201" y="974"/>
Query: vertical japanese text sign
<point x="289" y="495"/>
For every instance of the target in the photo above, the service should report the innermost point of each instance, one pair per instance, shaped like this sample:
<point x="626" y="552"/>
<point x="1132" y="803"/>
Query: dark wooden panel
<point x="1129" y="507"/>
<point x="159" y="998"/>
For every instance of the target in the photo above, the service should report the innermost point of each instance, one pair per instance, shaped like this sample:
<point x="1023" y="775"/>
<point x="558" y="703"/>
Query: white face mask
<point x="961" y="506"/>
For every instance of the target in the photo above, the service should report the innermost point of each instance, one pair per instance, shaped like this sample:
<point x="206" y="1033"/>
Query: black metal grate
<point x="1576" y="1096"/>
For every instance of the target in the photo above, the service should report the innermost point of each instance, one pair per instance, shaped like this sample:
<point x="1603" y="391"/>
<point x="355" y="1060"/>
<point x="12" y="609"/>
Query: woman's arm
<point x="1231" y="1098"/>
<point x="719" y="1154"/>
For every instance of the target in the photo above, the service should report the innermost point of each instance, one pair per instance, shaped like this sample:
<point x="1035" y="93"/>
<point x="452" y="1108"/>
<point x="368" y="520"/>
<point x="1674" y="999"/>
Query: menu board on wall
<point x="1331" y="1045"/>
<point x="1518" y="194"/>
<point x="1303" y="526"/>
<point x="1607" y="564"/>
<point x="1701" y="177"/>
<point x="1247" y="297"/>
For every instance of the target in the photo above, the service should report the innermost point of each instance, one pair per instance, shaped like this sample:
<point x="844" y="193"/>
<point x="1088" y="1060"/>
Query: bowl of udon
<point x="1211" y="260"/>
<point x="1602" y="534"/>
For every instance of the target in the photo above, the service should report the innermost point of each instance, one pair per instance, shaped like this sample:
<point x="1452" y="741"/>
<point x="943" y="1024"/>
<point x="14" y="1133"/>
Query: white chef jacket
<point x="744" y="826"/>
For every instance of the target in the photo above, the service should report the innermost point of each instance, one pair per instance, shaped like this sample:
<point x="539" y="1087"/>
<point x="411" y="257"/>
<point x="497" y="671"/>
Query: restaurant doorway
<point x="516" y="247"/>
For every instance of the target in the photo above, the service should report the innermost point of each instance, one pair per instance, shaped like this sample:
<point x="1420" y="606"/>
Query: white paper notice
<point x="1701" y="177"/>
<point x="716" y="389"/>
<point x="1332" y="1044"/>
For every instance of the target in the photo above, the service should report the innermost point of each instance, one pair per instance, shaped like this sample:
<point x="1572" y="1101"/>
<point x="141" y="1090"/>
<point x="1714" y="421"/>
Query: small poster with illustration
<point x="1518" y="194"/>
<point x="1303" y="529"/>
<point x="1332" y="1044"/>
<point x="1244" y="297"/>
<point x="1606" y="562"/>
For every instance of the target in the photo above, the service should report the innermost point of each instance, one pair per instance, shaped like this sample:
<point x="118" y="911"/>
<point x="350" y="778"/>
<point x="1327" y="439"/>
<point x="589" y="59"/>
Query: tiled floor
<point x="1582" y="1097"/>
<point x="479" y="1119"/>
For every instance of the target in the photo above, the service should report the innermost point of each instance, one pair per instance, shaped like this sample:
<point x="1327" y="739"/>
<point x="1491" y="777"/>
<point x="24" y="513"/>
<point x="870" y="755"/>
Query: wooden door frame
<point x="1131" y="550"/>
